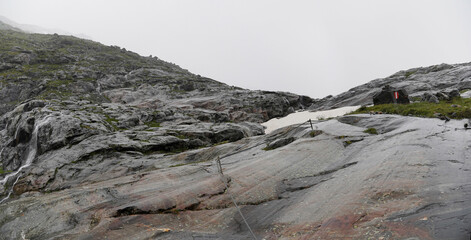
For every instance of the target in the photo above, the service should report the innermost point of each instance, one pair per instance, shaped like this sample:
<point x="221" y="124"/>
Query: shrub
<point x="371" y="131"/>
<point x="315" y="133"/>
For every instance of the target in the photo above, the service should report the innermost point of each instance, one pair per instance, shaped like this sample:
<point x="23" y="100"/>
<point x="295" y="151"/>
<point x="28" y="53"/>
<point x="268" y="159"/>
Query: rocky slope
<point x="438" y="82"/>
<point x="97" y="142"/>
<point x="35" y="66"/>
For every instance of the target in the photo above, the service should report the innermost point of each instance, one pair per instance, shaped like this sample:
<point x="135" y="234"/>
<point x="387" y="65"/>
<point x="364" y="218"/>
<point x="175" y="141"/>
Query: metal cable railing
<point x="221" y="174"/>
<point x="223" y="178"/>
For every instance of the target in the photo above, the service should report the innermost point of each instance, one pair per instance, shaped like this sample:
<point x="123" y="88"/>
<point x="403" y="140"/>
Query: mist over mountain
<point x="98" y="142"/>
<point x="29" y="28"/>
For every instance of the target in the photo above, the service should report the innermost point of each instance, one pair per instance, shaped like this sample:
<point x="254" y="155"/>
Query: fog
<point x="315" y="48"/>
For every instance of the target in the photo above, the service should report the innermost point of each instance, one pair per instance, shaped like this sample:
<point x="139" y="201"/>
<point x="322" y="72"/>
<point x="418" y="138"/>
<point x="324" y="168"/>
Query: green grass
<point x="371" y="131"/>
<point x="424" y="109"/>
<point x="153" y="124"/>
<point x="267" y="148"/>
<point x="416" y="99"/>
<point x="3" y="171"/>
<point x="315" y="133"/>
<point x="111" y="121"/>
<point x="52" y="93"/>
<point x="58" y="83"/>
<point x="181" y="136"/>
<point x="407" y="74"/>
<point x="221" y="143"/>
<point x="348" y="142"/>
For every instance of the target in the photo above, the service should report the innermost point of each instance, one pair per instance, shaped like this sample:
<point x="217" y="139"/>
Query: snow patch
<point x="466" y="94"/>
<point x="299" y="117"/>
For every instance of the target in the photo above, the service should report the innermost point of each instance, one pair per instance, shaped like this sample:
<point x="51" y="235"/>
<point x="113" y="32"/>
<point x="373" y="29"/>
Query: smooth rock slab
<point x="410" y="181"/>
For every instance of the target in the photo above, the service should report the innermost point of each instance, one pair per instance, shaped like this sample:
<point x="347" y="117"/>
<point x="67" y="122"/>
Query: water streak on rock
<point x="10" y="192"/>
<point x="33" y="147"/>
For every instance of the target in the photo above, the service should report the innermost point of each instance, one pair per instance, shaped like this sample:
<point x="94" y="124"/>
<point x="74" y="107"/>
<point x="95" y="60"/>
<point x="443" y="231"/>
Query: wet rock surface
<point x="97" y="142"/>
<point x="412" y="180"/>
<point x="69" y="69"/>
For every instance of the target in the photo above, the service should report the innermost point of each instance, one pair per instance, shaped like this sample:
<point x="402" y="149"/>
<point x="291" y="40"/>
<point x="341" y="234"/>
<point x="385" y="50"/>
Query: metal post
<point x="223" y="179"/>
<point x="218" y="162"/>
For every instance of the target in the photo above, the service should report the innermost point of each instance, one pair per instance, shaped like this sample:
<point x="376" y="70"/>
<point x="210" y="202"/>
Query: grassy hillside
<point x="457" y="108"/>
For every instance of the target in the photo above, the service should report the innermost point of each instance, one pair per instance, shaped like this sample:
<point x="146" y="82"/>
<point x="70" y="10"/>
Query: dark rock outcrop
<point x="428" y="97"/>
<point x="388" y="95"/>
<point x="280" y="143"/>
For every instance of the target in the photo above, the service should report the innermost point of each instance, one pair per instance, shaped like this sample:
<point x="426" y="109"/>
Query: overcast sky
<point x="315" y="48"/>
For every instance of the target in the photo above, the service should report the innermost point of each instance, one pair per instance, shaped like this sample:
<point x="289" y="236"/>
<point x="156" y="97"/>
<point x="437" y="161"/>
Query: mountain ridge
<point x="69" y="68"/>
<point x="29" y="28"/>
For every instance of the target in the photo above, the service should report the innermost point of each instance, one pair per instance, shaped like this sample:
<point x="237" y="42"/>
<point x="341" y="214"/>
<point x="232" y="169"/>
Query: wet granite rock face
<point x="124" y="146"/>
<point x="104" y="104"/>
<point x="66" y="68"/>
<point x="116" y="185"/>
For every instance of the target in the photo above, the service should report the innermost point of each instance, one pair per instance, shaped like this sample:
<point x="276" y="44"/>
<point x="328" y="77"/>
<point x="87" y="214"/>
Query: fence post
<point x="218" y="162"/>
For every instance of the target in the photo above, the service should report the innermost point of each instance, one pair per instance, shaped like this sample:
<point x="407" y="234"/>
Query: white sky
<point x="315" y="48"/>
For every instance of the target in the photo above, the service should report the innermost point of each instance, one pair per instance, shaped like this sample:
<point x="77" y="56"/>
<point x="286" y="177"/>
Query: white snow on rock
<point x="300" y="117"/>
<point x="466" y="94"/>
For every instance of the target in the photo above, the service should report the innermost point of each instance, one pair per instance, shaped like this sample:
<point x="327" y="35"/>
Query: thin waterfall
<point x="11" y="191"/>
<point x="33" y="148"/>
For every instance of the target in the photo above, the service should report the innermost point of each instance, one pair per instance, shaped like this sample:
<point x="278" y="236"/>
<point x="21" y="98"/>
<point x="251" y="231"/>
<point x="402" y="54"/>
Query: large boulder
<point x="436" y="97"/>
<point x="387" y="95"/>
<point x="452" y="93"/>
<point x="428" y="97"/>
